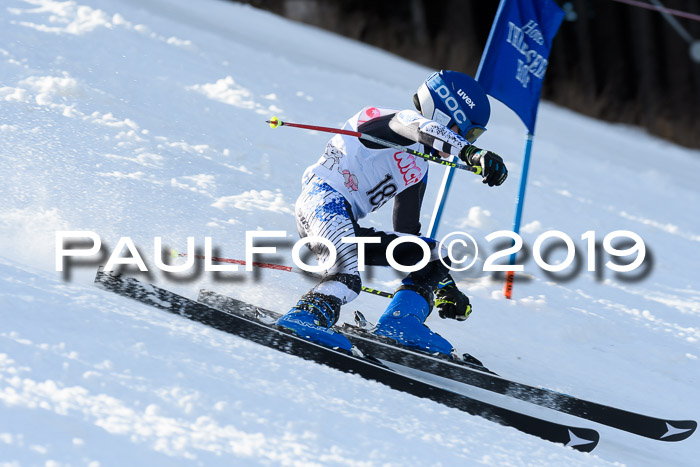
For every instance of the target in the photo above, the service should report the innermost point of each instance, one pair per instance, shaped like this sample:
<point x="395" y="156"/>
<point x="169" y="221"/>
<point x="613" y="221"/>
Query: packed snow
<point x="146" y="119"/>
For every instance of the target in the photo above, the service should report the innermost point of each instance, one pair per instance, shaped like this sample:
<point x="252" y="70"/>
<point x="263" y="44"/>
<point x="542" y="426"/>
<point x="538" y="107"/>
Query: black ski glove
<point x="451" y="302"/>
<point x="494" y="171"/>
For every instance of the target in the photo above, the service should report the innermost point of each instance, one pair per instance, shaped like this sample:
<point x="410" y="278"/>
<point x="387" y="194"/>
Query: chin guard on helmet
<point x="416" y="102"/>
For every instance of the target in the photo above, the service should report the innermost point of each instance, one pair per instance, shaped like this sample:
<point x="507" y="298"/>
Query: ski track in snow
<point x="147" y="386"/>
<point x="146" y="118"/>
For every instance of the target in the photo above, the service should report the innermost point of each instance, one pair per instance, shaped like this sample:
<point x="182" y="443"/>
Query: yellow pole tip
<point x="274" y="122"/>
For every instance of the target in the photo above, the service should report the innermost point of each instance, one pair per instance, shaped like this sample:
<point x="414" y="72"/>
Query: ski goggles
<point x="473" y="132"/>
<point x="467" y="129"/>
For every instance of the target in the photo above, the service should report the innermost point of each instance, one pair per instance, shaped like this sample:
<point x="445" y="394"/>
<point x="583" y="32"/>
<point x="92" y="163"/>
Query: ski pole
<point x="275" y="122"/>
<point x="280" y="267"/>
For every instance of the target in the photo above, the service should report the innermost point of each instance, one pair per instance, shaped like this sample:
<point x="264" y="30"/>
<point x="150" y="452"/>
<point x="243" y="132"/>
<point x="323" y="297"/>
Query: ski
<point x="269" y="335"/>
<point x="386" y="350"/>
<point x="363" y="328"/>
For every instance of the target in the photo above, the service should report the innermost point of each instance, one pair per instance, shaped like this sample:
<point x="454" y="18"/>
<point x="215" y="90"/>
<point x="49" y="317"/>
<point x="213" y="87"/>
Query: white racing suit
<point x="354" y="177"/>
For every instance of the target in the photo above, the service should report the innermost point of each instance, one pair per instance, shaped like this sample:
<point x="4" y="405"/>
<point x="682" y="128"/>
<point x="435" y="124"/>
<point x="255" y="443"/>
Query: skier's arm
<point x="407" y="127"/>
<point x="406" y="216"/>
<point x="413" y="126"/>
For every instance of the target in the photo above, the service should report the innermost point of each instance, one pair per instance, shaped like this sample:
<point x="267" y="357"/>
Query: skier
<point x="354" y="177"/>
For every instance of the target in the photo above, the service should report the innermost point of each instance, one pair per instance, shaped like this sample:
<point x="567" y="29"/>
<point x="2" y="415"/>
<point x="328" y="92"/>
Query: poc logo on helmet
<point x="466" y="98"/>
<point x="451" y="103"/>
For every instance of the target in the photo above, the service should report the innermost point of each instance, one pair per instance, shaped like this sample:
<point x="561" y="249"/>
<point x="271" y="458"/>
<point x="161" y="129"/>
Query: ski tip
<point x="582" y="439"/>
<point x="678" y="430"/>
<point x="274" y="122"/>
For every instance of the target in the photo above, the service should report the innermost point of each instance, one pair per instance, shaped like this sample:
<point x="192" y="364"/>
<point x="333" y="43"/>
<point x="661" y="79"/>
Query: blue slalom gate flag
<point x="517" y="53"/>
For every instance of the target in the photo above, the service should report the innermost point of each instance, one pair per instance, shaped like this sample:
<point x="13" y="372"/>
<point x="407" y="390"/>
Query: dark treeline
<point x="609" y="60"/>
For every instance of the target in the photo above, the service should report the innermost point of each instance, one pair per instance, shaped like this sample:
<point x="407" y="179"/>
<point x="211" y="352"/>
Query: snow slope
<point x="146" y="118"/>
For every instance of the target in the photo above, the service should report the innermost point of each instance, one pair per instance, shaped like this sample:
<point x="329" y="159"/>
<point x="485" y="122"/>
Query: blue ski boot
<point x="403" y="321"/>
<point x="312" y="317"/>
